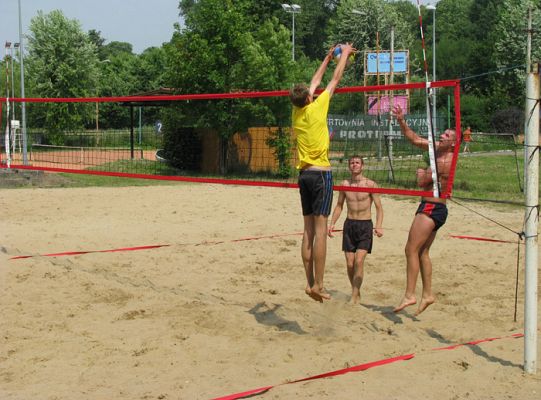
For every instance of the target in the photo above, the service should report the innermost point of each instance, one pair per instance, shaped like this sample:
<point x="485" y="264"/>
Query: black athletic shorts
<point x="316" y="192"/>
<point x="357" y="235"/>
<point x="436" y="211"/>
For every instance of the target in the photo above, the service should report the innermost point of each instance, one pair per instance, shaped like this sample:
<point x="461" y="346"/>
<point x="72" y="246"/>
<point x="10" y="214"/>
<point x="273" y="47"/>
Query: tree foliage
<point x="228" y="45"/>
<point x="61" y="62"/>
<point x="224" y="49"/>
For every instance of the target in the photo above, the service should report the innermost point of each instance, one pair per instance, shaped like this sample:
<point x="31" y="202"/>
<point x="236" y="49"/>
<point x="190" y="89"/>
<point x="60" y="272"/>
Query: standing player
<point x="466" y="137"/>
<point x="358" y="227"/>
<point x="430" y="216"/>
<point x="315" y="179"/>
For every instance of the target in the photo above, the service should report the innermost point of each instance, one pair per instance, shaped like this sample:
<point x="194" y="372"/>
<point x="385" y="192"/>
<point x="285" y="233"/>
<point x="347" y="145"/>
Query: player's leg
<point x="319" y="253"/>
<point x="307" y="252"/>
<point x="358" y="276"/>
<point x="427" y="297"/>
<point x="350" y="265"/>
<point x="419" y="233"/>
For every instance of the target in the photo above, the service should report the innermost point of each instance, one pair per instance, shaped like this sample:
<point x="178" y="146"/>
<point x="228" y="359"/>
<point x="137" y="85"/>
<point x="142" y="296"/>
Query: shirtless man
<point x="358" y="227"/>
<point x="430" y="216"/>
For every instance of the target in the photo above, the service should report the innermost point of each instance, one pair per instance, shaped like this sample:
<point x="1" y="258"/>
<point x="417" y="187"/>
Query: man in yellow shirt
<point x="315" y="178"/>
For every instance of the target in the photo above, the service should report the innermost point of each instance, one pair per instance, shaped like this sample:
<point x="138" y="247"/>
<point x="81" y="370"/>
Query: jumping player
<point x="430" y="216"/>
<point x="315" y="179"/>
<point x="358" y="227"/>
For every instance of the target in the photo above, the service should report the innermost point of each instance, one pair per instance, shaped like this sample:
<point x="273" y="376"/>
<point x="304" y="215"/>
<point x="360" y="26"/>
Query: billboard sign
<point x="366" y="127"/>
<point x="381" y="104"/>
<point x="380" y="62"/>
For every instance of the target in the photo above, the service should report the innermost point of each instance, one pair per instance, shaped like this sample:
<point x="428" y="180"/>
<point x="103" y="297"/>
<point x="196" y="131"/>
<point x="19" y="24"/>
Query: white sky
<point x="143" y="23"/>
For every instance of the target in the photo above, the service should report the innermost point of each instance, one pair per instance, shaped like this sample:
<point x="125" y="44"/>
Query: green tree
<point x="311" y="26"/>
<point x="61" y="62"/>
<point x="95" y="37"/>
<point x="510" y="43"/>
<point x="223" y="49"/>
<point x="115" y="48"/>
<point x="118" y="77"/>
<point x="483" y="16"/>
<point x="363" y="30"/>
<point x="151" y="68"/>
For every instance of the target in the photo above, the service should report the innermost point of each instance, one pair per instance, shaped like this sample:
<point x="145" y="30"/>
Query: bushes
<point x="182" y="147"/>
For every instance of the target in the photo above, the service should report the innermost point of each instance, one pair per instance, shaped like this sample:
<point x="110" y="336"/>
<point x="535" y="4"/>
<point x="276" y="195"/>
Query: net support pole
<point x="429" y="121"/>
<point x="531" y="220"/>
<point x="132" y="139"/>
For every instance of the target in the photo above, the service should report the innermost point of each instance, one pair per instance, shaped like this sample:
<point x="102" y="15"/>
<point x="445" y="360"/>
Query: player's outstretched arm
<point x="347" y="49"/>
<point x="318" y="76"/>
<point x="409" y="133"/>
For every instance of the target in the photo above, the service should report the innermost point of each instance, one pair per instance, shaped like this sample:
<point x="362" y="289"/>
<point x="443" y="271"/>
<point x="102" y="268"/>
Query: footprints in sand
<point x="131" y="315"/>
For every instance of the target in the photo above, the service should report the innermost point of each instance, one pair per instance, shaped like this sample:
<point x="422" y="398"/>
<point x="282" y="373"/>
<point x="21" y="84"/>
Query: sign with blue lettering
<point x="380" y="63"/>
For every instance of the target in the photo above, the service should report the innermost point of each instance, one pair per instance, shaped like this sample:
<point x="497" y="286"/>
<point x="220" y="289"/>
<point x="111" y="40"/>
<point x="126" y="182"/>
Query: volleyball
<point x="337" y="53"/>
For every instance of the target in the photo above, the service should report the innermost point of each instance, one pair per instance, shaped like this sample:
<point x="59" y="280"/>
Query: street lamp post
<point x="15" y="46"/>
<point x="23" y="105"/>
<point x="9" y="53"/>
<point x="292" y="9"/>
<point x="434" y="115"/>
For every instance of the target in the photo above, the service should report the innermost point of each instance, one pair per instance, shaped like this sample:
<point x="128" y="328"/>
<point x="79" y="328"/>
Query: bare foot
<point x="423" y="305"/>
<point x="326" y="295"/>
<point x="322" y="294"/>
<point x="313" y="295"/>
<point x="406" y="302"/>
<point x="355" y="297"/>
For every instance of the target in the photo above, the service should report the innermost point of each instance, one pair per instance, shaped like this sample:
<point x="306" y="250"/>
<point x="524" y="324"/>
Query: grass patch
<point x="490" y="177"/>
<point x="87" y="180"/>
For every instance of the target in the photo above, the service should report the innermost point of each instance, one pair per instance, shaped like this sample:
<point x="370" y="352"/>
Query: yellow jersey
<point x="310" y="128"/>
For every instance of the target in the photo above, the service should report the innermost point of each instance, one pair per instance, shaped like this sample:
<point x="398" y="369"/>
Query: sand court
<point x="208" y="315"/>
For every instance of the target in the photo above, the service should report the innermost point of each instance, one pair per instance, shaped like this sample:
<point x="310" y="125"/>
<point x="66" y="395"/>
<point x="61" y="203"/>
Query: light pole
<point x="434" y="115"/>
<point x="15" y="46"/>
<point x="9" y="53"/>
<point x="23" y="105"/>
<point x="292" y="9"/>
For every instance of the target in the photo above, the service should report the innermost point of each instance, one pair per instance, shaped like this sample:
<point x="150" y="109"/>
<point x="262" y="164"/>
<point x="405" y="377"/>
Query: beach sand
<point x="209" y="315"/>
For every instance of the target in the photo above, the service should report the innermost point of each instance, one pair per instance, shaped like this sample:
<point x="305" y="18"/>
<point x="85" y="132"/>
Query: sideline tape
<point x="74" y="253"/>
<point x="361" y="367"/>
<point x="482" y="239"/>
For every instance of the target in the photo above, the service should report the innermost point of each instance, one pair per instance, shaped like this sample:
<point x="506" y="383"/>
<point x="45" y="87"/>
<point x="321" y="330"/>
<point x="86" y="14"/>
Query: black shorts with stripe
<point x="436" y="211"/>
<point x="316" y="192"/>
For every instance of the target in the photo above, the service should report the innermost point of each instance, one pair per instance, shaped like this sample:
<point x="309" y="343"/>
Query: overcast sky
<point x="143" y="23"/>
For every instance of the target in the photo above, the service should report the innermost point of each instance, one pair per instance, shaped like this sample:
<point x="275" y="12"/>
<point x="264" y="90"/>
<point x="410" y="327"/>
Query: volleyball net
<point x="232" y="138"/>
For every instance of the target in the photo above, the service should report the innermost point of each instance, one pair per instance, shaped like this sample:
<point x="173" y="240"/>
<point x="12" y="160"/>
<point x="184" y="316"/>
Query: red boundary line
<point x="482" y="239"/>
<point x="361" y="367"/>
<point x="72" y="253"/>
